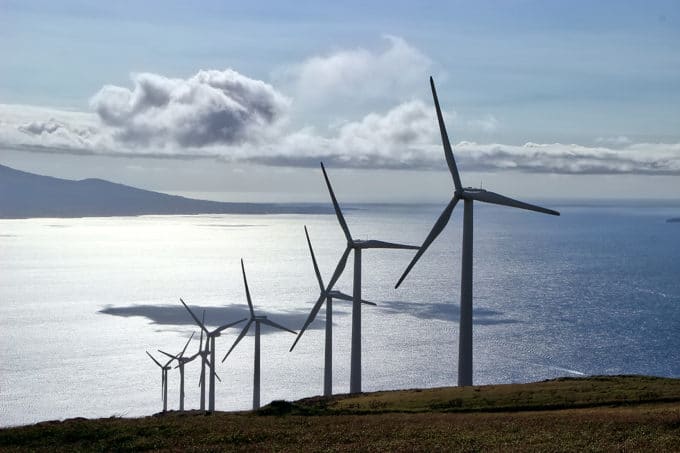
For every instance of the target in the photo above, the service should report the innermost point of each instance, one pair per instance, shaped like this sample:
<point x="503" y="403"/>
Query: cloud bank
<point x="229" y="116"/>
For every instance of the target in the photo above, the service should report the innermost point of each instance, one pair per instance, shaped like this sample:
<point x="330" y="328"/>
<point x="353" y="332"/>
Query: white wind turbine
<point x="164" y="379"/>
<point x="203" y="353"/>
<point x="357" y="246"/>
<point x="468" y="195"/>
<point x="326" y="294"/>
<point x="181" y="360"/>
<point x="257" y="320"/>
<point x="210" y="338"/>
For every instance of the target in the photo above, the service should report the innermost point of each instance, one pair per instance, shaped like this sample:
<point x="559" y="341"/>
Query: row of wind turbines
<point x="328" y="292"/>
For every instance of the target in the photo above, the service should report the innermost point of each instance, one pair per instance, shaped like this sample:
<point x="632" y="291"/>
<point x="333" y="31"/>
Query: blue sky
<point x="601" y="77"/>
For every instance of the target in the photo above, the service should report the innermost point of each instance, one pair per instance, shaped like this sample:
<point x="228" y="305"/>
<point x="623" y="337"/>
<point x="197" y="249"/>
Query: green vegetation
<point x="585" y="414"/>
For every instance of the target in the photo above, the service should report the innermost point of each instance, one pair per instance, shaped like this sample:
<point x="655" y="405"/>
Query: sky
<point x="240" y="102"/>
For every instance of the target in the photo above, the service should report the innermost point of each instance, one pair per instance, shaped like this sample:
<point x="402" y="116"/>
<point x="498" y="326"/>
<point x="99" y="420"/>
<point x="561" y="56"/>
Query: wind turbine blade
<point x="316" y="266"/>
<point x="152" y="358"/>
<point x="200" y="324"/>
<point x="310" y="318"/>
<point x="245" y="282"/>
<point x="492" y="197"/>
<point x="169" y="361"/>
<point x="338" y="212"/>
<point x="436" y="229"/>
<point x="238" y="339"/>
<point x="217" y="376"/>
<point x="278" y="326"/>
<point x="343" y="296"/>
<point x="168" y="354"/>
<point x="200" y="343"/>
<point x="185" y="346"/>
<point x="448" y="151"/>
<point x="338" y="269"/>
<point x="226" y="326"/>
<point x="373" y="244"/>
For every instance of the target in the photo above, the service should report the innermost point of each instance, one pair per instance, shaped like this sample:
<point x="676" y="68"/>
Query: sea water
<point x="595" y="291"/>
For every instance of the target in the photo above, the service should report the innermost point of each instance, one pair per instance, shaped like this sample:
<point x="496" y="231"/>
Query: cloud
<point x="209" y="108"/>
<point x="229" y="116"/>
<point x="618" y="141"/>
<point x="358" y="75"/>
<point x="404" y="137"/>
<point x="641" y="158"/>
<point x="488" y="124"/>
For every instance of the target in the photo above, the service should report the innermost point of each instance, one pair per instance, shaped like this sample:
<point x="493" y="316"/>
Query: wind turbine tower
<point x="468" y="195"/>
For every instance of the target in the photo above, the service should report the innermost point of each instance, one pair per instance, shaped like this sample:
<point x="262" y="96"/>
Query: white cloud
<point x="620" y="140"/>
<point x="488" y="124"/>
<point x="209" y="108"/>
<point x="360" y="75"/>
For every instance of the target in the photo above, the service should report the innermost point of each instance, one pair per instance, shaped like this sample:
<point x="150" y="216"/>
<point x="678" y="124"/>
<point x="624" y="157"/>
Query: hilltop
<point x="24" y="195"/>
<point x="574" y="414"/>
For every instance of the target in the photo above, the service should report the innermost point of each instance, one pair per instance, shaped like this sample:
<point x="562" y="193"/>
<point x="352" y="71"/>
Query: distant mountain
<point x="673" y="220"/>
<point x="24" y="195"/>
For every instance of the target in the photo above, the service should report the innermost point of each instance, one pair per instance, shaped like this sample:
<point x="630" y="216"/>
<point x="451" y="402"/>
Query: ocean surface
<point x="595" y="291"/>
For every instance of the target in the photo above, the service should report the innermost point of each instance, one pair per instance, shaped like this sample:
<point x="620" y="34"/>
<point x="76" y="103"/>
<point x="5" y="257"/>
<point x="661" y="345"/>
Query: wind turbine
<point x="357" y="246"/>
<point x="326" y="294"/>
<point x="210" y="337"/>
<point x="182" y="361"/>
<point x="257" y="320"/>
<point x="203" y="353"/>
<point x="468" y="195"/>
<point x="164" y="379"/>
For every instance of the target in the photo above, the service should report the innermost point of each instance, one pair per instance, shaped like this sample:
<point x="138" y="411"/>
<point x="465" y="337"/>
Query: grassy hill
<point x="583" y="414"/>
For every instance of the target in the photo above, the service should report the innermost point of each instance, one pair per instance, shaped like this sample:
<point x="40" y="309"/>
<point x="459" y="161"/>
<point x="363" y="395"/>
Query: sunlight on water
<point x="591" y="292"/>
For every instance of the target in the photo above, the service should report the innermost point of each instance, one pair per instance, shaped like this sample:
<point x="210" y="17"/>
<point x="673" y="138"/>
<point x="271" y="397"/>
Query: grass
<point x="583" y="414"/>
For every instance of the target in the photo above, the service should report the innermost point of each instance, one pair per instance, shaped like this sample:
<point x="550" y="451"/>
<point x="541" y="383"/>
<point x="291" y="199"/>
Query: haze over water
<point x="595" y="291"/>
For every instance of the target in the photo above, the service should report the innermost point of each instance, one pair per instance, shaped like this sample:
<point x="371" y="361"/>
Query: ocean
<point x="594" y="291"/>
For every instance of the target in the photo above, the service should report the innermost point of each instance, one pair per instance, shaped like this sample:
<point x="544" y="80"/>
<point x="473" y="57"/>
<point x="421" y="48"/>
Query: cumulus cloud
<point x="209" y="108"/>
<point x="361" y="75"/>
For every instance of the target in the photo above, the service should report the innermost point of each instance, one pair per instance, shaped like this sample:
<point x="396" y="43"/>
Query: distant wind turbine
<point x="326" y="294"/>
<point x="210" y="337"/>
<point x="181" y="360"/>
<point x="468" y="195"/>
<point x="257" y="320"/>
<point x="203" y="353"/>
<point x="357" y="246"/>
<point x="164" y="379"/>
